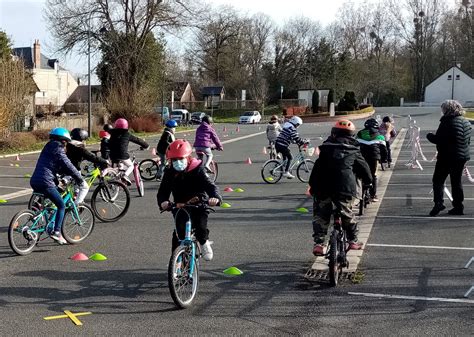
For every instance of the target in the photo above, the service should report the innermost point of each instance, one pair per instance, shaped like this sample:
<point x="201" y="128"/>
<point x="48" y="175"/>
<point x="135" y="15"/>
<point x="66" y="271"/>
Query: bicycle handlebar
<point x="174" y="205"/>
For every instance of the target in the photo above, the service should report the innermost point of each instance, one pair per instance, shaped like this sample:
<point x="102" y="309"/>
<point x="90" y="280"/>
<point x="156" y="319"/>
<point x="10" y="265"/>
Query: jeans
<point x="209" y="155"/>
<point x="286" y="154"/>
<point x="52" y="194"/>
<point x="454" y="169"/>
<point x="198" y="221"/>
<point x="162" y="166"/>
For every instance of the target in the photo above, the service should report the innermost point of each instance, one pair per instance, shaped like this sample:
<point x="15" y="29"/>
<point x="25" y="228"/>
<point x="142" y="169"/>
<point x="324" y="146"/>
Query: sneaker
<point x="127" y="181"/>
<point x="374" y="199"/>
<point x="354" y="245"/>
<point x="318" y="249"/>
<point x="207" y="252"/>
<point x="288" y="175"/>
<point x="456" y="211"/>
<point x="56" y="236"/>
<point x="436" y="209"/>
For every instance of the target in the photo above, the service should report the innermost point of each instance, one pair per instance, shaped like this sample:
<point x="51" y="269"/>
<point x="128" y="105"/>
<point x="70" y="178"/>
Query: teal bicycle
<point x="27" y="226"/>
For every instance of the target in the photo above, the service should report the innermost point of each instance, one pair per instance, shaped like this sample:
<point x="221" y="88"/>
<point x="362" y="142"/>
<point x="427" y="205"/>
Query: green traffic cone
<point x="239" y="190"/>
<point x="225" y="205"/>
<point x="233" y="271"/>
<point x="98" y="257"/>
<point x="302" y="210"/>
<point x="2" y="201"/>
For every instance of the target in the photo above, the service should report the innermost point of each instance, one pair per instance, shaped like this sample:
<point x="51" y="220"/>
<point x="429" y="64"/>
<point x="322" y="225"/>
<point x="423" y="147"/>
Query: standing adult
<point x="452" y="141"/>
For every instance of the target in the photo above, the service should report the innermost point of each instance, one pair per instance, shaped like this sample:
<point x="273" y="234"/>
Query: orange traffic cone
<point x="17" y="157"/>
<point x="264" y="150"/>
<point x="237" y="129"/>
<point x="248" y="161"/>
<point x="224" y="129"/>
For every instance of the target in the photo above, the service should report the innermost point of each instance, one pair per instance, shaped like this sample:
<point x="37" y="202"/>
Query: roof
<point x="178" y="88"/>
<point x="212" y="91"/>
<point x="26" y="54"/>
<point x="444" y="72"/>
<point x="81" y="94"/>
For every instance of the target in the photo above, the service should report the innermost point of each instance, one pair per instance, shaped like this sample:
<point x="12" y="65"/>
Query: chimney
<point x="36" y="54"/>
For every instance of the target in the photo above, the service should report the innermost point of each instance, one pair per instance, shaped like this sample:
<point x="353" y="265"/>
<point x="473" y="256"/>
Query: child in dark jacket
<point x="76" y="150"/>
<point x="186" y="179"/>
<point x="333" y="184"/>
<point x="167" y="137"/>
<point x="104" y="144"/>
<point x="373" y="149"/>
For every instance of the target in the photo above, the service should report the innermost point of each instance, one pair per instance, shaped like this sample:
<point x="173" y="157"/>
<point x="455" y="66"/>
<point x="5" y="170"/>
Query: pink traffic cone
<point x="248" y="161"/>
<point x="153" y="151"/>
<point x="317" y="151"/>
<point x="228" y="189"/>
<point x="308" y="192"/>
<point x="264" y="150"/>
<point x="224" y="129"/>
<point x="17" y="157"/>
<point x="79" y="257"/>
<point x="237" y="129"/>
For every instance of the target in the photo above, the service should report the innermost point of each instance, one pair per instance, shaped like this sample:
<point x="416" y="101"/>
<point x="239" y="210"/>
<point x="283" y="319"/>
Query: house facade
<point x="182" y="95"/>
<point x="212" y="96"/>
<point x="306" y="95"/>
<point x="453" y="84"/>
<point x="55" y="84"/>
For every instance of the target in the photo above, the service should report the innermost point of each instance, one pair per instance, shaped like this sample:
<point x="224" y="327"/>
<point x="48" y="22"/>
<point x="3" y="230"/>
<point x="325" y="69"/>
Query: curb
<point x="316" y="119"/>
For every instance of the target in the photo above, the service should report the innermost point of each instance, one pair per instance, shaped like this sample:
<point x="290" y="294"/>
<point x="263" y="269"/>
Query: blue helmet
<point x="171" y="123"/>
<point x="60" y="134"/>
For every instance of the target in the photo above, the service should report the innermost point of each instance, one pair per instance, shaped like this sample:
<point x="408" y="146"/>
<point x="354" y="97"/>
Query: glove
<point x="165" y="205"/>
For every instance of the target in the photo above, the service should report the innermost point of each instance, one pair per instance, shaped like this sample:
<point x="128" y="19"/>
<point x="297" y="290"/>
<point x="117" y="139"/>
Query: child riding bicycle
<point x="167" y="137"/>
<point x="287" y="136"/>
<point x="185" y="179"/>
<point x="273" y="130"/>
<point x="53" y="161"/>
<point x="333" y="184"/>
<point x="118" y="144"/>
<point x="206" y="138"/>
<point x="387" y="129"/>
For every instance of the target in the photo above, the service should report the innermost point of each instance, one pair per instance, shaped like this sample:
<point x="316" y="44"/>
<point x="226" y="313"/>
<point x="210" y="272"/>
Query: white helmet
<point x="296" y="121"/>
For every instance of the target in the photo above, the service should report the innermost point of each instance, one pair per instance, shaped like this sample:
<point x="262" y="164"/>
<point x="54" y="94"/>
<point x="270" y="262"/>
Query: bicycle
<point x="272" y="151"/>
<point x="337" y="252"/>
<point x="183" y="267"/>
<point x="136" y="173"/>
<point x="29" y="225"/>
<point x="149" y="168"/>
<point x="273" y="169"/>
<point x="364" y="200"/>
<point x="214" y="172"/>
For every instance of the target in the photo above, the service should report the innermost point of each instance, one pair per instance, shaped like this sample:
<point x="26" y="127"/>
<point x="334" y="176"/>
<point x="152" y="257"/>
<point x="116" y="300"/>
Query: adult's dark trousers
<point x="286" y="154"/>
<point x="199" y="224"/>
<point x="454" y="169"/>
<point x="389" y="152"/>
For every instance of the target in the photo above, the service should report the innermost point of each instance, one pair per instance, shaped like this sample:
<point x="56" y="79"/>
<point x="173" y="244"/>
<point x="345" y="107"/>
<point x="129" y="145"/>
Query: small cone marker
<point x="234" y="271"/>
<point x="98" y="257"/>
<point x="302" y="210"/>
<point x="270" y="179"/>
<point x="79" y="257"/>
<point x="2" y="201"/>
<point x="264" y="150"/>
<point x="153" y="152"/>
<point x="248" y="161"/>
<point x="17" y="165"/>
<point x="17" y="157"/>
<point x="228" y="189"/>
<point x="225" y="205"/>
<point x="237" y="129"/>
<point x="239" y="190"/>
<point x="317" y="151"/>
<point x="27" y="175"/>
<point x="224" y="129"/>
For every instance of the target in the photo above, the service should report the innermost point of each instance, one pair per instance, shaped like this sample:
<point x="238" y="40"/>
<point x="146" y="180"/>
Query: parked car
<point x="250" y="117"/>
<point x="196" y="117"/>
<point x="181" y="116"/>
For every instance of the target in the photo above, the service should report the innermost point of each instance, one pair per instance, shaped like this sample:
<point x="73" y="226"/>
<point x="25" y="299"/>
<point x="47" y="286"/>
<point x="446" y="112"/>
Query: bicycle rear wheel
<point x="148" y="169"/>
<point x="304" y="170"/>
<point x="110" y="201"/>
<point x="74" y="229"/>
<point x="23" y="233"/>
<point x="183" y="283"/>
<point x="272" y="171"/>
<point x="333" y="263"/>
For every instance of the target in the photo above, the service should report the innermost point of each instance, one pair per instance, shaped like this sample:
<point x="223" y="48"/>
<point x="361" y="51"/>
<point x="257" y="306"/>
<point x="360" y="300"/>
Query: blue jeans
<point x="52" y="194"/>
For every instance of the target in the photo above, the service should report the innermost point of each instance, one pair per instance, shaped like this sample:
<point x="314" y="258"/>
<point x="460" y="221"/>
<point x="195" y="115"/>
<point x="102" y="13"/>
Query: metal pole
<point x="89" y="91"/>
<point x="452" y="82"/>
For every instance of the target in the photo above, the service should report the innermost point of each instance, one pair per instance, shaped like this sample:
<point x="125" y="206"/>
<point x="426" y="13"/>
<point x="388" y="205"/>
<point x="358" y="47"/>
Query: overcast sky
<point x="23" y="20"/>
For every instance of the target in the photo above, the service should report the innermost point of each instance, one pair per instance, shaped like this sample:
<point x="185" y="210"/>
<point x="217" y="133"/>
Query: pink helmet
<point x="121" y="123"/>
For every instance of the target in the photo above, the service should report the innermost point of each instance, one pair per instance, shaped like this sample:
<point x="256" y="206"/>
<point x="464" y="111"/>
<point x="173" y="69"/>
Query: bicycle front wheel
<point x="333" y="263"/>
<point x="148" y="169"/>
<point x="182" y="281"/>
<point x="272" y="171"/>
<point x="76" y="229"/>
<point x="110" y="201"/>
<point x="24" y="231"/>
<point x="304" y="170"/>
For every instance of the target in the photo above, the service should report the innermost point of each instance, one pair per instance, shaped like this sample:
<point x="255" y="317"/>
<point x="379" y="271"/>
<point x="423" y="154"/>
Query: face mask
<point x="180" y="164"/>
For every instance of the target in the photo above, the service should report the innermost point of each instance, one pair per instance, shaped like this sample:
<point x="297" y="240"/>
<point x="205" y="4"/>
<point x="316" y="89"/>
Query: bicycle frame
<point x="188" y="240"/>
<point x="295" y="162"/>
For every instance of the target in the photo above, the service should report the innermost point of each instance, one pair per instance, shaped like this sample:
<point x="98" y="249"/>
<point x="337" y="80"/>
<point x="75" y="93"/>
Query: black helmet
<point x="371" y="123"/>
<point x="387" y="119"/>
<point x="108" y="127"/>
<point x="79" y="134"/>
<point x="207" y="119"/>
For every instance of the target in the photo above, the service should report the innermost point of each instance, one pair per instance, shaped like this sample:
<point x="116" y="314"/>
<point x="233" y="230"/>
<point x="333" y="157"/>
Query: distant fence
<point x="69" y="122"/>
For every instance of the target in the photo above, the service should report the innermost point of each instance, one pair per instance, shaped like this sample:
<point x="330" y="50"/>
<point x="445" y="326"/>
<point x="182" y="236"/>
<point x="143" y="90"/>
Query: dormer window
<point x="458" y="77"/>
<point x="450" y="77"/>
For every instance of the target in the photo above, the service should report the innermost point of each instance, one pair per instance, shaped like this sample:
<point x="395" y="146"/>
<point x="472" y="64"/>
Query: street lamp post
<point x="89" y="90"/>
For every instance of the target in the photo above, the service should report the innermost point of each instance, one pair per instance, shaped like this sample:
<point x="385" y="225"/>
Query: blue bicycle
<point x="183" y="268"/>
<point x="27" y="226"/>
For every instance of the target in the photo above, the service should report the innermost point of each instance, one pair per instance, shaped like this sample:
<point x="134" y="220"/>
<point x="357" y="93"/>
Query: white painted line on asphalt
<point x="416" y="198"/>
<point x="431" y="185"/>
<point x="18" y="167"/>
<point x="365" y="229"/>
<point x="15" y="188"/>
<point x="414" y="298"/>
<point x="421" y="247"/>
<point x="243" y="137"/>
<point x="422" y="217"/>
<point x="16" y="194"/>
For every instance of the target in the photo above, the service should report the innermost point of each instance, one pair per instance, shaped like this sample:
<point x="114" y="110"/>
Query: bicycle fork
<point x="188" y="241"/>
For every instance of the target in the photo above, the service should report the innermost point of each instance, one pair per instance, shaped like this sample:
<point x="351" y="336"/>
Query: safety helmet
<point x="79" y="134"/>
<point x="180" y="148"/>
<point x="171" y="123"/>
<point x="60" y="134"/>
<point x="296" y="121"/>
<point x="371" y="123"/>
<point x="103" y="134"/>
<point x="121" y="123"/>
<point x="343" y="127"/>
<point x="108" y="127"/>
<point x="207" y="119"/>
<point x="387" y="119"/>
<point x="274" y="118"/>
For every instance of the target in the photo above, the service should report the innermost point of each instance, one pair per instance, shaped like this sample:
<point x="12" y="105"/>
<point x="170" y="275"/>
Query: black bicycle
<point x="337" y="252"/>
<point x="364" y="200"/>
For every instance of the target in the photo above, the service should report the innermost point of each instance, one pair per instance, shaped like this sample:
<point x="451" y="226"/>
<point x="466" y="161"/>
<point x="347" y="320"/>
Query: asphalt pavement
<point x="411" y="276"/>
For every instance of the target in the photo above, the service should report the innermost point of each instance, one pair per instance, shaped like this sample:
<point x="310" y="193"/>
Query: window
<point x="450" y="77"/>
<point x="458" y="77"/>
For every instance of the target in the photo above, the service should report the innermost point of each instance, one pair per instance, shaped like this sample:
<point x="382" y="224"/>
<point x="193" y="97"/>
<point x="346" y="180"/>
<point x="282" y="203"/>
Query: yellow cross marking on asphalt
<point x="70" y="315"/>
